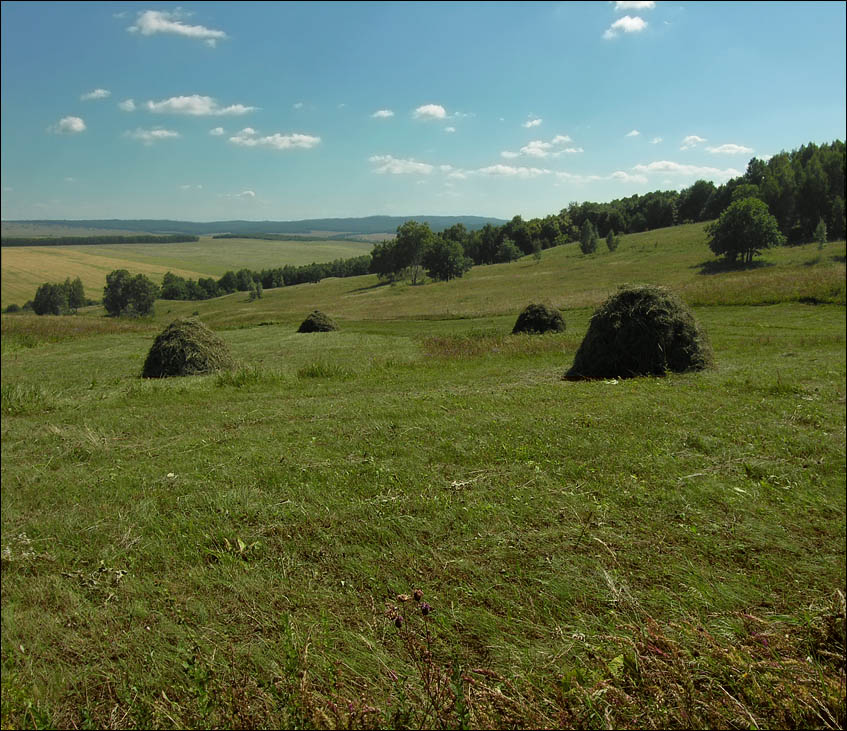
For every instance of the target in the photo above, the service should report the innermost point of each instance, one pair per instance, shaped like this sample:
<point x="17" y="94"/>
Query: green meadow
<point x="242" y="549"/>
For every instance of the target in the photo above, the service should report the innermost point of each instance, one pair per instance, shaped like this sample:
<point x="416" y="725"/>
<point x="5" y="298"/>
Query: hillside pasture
<point x="25" y="268"/>
<point x="241" y="549"/>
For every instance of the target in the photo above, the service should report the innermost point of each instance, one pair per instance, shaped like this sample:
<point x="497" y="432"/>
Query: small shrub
<point x="317" y="322"/>
<point x="185" y="348"/>
<point x="640" y="331"/>
<point x="12" y="308"/>
<point x="538" y="318"/>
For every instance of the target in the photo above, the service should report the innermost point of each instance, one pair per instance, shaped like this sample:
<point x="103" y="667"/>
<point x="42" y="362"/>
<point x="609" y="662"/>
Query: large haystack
<point x="317" y="322"/>
<point x="537" y="319"/>
<point x="185" y="348"/>
<point x="641" y="331"/>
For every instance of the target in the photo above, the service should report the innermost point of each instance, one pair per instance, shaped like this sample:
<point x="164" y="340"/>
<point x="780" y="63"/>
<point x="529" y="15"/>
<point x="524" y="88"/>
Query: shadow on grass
<point x="370" y="287"/>
<point x="720" y="266"/>
<point x="839" y="258"/>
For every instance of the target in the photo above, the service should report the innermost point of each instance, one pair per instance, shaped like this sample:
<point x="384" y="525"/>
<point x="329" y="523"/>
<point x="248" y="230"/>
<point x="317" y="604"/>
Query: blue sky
<point x="211" y="111"/>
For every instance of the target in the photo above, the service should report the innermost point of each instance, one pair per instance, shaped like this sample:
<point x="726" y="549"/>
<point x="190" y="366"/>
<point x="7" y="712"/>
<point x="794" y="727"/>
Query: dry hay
<point x="641" y="331"/>
<point x="317" y="322"/>
<point x="185" y="348"/>
<point x="539" y="318"/>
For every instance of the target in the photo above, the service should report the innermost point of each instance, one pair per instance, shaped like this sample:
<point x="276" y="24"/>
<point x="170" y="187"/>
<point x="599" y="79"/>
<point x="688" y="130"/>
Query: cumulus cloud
<point x="656" y="140"/>
<point x="96" y="94"/>
<point x="150" y="22"/>
<point x="248" y="137"/>
<point x="191" y="187"/>
<point x="625" y="177"/>
<point x="633" y="133"/>
<point x="298" y="105"/>
<point x="196" y="105"/>
<point x="627" y="24"/>
<point x="449" y="129"/>
<point x="382" y="114"/>
<point x="430" y="111"/>
<point x="634" y="5"/>
<point x="387" y="164"/>
<point x="216" y="131"/>
<point x="534" y="122"/>
<point x="149" y="136"/>
<point x="691" y="141"/>
<point x="127" y="105"/>
<point x="542" y="149"/>
<point x="68" y="126"/>
<point x="730" y="149"/>
<point x="667" y="167"/>
<point x="509" y="171"/>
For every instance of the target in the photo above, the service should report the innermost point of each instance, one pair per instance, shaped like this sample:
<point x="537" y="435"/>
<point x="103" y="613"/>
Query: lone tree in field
<point x="186" y="348"/>
<point x="317" y="322"/>
<point x="588" y="237"/>
<point x="537" y="319"/>
<point x="640" y="331"/>
<point x="744" y="230"/>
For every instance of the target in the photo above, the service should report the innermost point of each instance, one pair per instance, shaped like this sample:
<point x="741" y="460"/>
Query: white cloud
<point x="96" y="94"/>
<point x="510" y="171"/>
<point x="70" y="180"/>
<point x="150" y="22"/>
<point x="248" y="138"/>
<point x="216" y="131"/>
<point x="625" y="177"/>
<point x="656" y="140"/>
<point x="197" y="106"/>
<point x="243" y="195"/>
<point x="666" y="167"/>
<point x="430" y="111"/>
<point x="634" y="5"/>
<point x="730" y="149"/>
<point x="530" y="123"/>
<point x="633" y="133"/>
<point x="149" y="136"/>
<point x="450" y="129"/>
<point x="691" y="141"/>
<point x="542" y="149"/>
<point x="382" y="114"/>
<point x="457" y="175"/>
<point x="395" y="166"/>
<point x="127" y="105"/>
<point x="626" y="24"/>
<point x="298" y="105"/>
<point x="191" y="187"/>
<point x="68" y="126"/>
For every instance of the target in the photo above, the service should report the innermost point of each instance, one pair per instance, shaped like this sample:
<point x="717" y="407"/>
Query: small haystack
<point x="538" y="319"/>
<point x="317" y="322"/>
<point x="186" y="348"/>
<point x="640" y="331"/>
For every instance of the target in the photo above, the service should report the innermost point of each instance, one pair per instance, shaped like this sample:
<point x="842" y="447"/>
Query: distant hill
<point x="353" y="226"/>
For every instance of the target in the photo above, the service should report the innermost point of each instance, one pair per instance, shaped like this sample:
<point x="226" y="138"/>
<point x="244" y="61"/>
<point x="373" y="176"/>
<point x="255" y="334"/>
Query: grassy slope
<point x="25" y="268"/>
<point x="227" y="550"/>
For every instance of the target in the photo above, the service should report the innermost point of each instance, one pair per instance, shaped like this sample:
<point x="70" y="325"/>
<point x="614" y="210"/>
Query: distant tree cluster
<point x="58" y="299"/>
<point x="416" y="249"/>
<point x="93" y="240"/>
<point x="175" y="287"/>
<point x="125" y="294"/>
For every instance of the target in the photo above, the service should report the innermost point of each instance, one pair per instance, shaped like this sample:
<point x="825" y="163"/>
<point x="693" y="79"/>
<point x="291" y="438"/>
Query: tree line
<point x="93" y="240"/>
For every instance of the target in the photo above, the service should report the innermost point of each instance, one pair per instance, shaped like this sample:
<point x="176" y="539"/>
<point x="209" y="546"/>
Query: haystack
<point x="641" y="331"/>
<point x="317" y="322"/>
<point x="185" y="348"/>
<point x="537" y="319"/>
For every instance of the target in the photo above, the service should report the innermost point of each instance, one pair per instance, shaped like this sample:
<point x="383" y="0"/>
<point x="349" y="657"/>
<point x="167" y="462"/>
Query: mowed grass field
<point x="235" y="550"/>
<point x="25" y="268"/>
